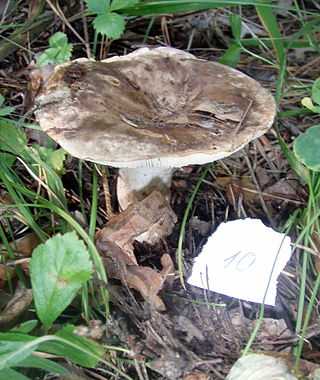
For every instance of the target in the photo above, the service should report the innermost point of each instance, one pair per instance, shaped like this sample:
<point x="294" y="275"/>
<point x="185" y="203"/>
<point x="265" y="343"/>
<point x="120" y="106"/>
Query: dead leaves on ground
<point x="150" y="218"/>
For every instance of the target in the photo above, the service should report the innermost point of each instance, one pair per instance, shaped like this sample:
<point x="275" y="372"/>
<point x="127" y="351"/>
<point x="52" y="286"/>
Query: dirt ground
<point x="190" y="340"/>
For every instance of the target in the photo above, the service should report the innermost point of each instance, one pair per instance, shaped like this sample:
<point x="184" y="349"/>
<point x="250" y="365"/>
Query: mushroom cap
<point x="157" y="107"/>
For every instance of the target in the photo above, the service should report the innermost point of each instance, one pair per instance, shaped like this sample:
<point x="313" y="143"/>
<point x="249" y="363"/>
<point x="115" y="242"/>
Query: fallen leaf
<point x="145" y="280"/>
<point x="15" y="307"/>
<point x="148" y="220"/>
<point x="236" y="186"/>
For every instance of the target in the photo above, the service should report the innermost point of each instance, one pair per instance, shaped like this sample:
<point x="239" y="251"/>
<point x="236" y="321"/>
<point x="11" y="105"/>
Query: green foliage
<point x="4" y="111"/>
<point x="107" y="22"/>
<point x="110" y="24"/>
<point x="13" y="140"/>
<point x="58" y="52"/>
<point x="77" y="356"/>
<point x="54" y="158"/>
<point x="58" y="269"/>
<point x="16" y="350"/>
<point x="306" y="148"/>
<point x="315" y="98"/>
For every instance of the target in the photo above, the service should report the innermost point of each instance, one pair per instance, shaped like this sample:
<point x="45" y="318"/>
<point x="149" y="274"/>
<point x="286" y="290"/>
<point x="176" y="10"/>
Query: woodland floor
<point x="189" y="340"/>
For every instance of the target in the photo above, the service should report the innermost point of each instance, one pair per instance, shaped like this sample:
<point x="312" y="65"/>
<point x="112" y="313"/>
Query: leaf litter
<point x="192" y="340"/>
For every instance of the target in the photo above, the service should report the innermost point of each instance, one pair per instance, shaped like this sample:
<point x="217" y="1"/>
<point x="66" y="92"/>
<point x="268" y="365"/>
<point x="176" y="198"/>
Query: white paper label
<point x="242" y="259"/>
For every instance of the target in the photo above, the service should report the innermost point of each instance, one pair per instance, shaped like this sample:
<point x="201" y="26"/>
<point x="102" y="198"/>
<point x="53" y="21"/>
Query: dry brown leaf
<point x="151" y="214"/>
<point x="282" y="189"/>
<point x="22" y="248"/>
<point x="17" y="305"/>
<point x="236" y="186"/>
<point x="115" y="243"/>
<point x="145" y="280"/>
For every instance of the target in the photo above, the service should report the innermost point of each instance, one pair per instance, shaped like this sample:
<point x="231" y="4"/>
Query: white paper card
<point x="240" y="258"/>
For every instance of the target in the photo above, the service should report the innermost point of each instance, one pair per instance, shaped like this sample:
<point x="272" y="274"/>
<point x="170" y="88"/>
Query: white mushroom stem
<point x="134" y="184"/>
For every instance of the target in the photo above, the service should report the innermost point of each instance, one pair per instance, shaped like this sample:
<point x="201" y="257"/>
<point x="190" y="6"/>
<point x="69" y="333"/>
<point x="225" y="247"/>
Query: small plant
<point x="58" y="269"/>
<point x="58" y="52"/>
<point x="313" y="103"/>
<point x="306" y="146"/>
<point x="107" y="22"/>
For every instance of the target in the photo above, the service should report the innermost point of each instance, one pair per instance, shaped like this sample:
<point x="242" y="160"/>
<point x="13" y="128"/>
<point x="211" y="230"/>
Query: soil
<point x="189" y="340"/>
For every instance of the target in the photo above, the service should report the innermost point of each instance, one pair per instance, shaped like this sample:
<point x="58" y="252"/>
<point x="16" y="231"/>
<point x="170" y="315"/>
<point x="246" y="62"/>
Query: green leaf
<point x="296" y="165"/>
<point x="12" y="139"/>
<point x="42" y="363"/>
<point x="53" y="158"/>
<point x="110" y="24"/>
<point x="4" y="111"/>
<point x="25" y="327"/>
<point x="307" y="102"/>
<point x="98" y="6"/>
<point x="76" y="354"/>
<point x="2" y="99"/>
<point x="236" y="23"/>
<point x="11" y="348"/>
<point x="58" y="40"/>
<point x="11" y="374"/>
<point x="57" y="55"/>
<point x="60" y="51"/>
<point x="306" y="148"/>
<point x="120" y="4"/>
<point x="169" y="6"/>
<point x="7" y="159"/>
<point x="232" y="56"/>
<point x="58" y="269"/>
<point x="82" y="342"/>
<point x="316" y="91"/>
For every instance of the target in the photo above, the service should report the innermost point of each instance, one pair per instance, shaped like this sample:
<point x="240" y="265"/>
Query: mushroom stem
<point x="134" y="184"/>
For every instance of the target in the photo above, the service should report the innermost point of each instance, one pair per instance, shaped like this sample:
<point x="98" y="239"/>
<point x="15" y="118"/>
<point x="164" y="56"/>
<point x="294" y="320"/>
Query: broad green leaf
<point x="42" y="363"/>
<point x="25" y="327"/>
<point x="57" y="55"/>
<point x="54" y="158"/>
<point x="11" y="348"/>
<point x="60" y="51"/>
<point x="58" y="269"/>
<point x="76" y="354"/>
<point x="82" y="342"/>
<point x="316" y="91"/>
<point x="110" y="24"/>
<point x="236" y="23"/>
<point x="11" y="374"/>
<point x="306" y="148"/>
<point x="12" y="139"/>
<point x="232" y="56"/>
<point x="4" y="111"/>
<point x="98" y="6"/>
<point x="58" y="40"/>
<point x="120" y="4"/>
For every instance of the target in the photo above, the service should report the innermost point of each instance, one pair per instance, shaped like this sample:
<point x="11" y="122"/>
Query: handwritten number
<point x="243" y="262"/>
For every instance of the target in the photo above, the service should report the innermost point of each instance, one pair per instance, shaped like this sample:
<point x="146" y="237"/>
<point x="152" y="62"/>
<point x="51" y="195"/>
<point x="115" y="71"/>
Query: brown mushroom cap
<point x="152" y="108"/>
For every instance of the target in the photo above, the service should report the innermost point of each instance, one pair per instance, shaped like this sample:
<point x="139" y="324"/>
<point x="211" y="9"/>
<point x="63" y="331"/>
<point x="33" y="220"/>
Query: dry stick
<point x="107" y="196"/>
<point x="85" y="30"/>
<point x="165" y="31"/>
<point x="255" y="181"/>
<point x="57" y="10"/>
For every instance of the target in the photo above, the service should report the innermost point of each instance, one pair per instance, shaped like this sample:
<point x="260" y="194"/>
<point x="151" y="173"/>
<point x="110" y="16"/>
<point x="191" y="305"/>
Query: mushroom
<point x="151" y="111"/>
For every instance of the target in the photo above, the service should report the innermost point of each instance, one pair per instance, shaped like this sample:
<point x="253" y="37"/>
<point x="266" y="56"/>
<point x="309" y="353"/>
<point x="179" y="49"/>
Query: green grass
<point x="45" y="210"/>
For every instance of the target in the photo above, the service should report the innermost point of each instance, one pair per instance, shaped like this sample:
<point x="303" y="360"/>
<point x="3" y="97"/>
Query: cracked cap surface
<point x="156" y="107"/>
